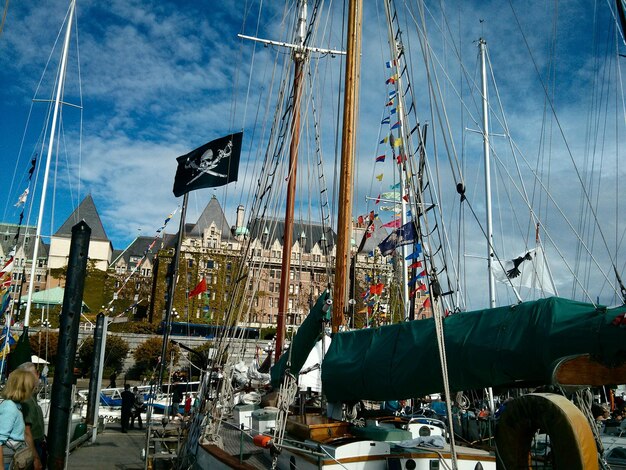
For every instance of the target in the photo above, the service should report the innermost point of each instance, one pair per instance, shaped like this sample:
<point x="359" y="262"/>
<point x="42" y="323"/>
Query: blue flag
<point x="402" y="236"/>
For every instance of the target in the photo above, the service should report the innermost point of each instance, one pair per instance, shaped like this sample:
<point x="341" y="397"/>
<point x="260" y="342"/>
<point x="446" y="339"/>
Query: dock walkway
<point x="112" y="450"/>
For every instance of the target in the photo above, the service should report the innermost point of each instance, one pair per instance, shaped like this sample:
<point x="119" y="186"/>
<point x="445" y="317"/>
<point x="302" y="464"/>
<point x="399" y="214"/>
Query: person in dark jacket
<point x="128" y="402"/>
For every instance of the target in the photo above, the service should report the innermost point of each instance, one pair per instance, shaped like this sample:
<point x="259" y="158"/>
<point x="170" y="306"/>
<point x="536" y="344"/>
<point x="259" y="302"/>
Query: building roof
<point x="85" y="211"/>
<point x="212" y="213"/>
<point x="52" y="296"/>
<point x="27" y="235"/>
<point x="136" y="249"/>
<point x="270" y="229"/>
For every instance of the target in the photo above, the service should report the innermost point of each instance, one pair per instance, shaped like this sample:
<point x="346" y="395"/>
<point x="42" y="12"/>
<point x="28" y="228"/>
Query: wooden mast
<point x="285" y="269"/>
<point x="348" y="146"/>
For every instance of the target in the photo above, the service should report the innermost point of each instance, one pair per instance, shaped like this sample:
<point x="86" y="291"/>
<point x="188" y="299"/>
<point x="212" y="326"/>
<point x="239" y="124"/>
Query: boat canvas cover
<point x="302" y="343"/>
<point x="516" y="345"/>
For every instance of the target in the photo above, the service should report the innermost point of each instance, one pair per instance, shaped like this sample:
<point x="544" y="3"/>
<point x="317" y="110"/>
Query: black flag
<point x="212" y="165"/>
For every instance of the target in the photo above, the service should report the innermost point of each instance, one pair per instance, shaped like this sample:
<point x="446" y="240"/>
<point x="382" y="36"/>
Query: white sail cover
<point x="310" y="374"/>
<point x="529" y="269"/>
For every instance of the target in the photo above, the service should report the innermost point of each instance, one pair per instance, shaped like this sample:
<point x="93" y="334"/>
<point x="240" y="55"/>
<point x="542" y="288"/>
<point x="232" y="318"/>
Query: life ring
<point x="571" y="439"/>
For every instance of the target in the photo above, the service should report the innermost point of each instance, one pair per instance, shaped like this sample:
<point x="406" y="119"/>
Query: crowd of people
<point x="22" y="438"/>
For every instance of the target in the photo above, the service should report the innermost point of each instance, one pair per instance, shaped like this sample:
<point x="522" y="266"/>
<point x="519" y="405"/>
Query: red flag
<point x="406" y="197"/>
<point x="377" y="288"/>
<point x="426" y="303"/>
<point x="199" y="289"/>
<point x="417" y="264"/>
<point x="378" y="199"/>
<point x="372" y="216"/>
<point x="422" y="287"/>
<point x="360" y="220"/>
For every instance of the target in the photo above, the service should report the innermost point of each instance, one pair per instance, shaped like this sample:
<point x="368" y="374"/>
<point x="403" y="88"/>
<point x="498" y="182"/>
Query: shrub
<point x="148" y="353"/>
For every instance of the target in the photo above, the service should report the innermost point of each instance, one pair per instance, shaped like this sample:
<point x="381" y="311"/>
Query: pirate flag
<point x="214" y="164"/>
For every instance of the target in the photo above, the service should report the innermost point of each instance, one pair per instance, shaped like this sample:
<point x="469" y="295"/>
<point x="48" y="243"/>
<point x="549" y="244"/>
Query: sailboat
<point x="526" y="344"/>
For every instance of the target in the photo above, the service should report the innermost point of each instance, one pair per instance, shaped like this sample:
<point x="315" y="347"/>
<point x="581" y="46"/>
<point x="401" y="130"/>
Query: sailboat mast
<point x="482" y="44"/>
<point x="348" y="146"/>
<point x="44" y="187"/>
<point x="285" y="269"/>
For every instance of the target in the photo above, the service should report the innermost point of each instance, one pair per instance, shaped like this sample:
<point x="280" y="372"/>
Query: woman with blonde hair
<point x="19" y="387"/>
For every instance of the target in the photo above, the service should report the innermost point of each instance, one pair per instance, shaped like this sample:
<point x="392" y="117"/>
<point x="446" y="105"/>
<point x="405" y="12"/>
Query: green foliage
<point x="115" y="352"/>
<point x="45" y="341"/>
<point x="148" y="353"/>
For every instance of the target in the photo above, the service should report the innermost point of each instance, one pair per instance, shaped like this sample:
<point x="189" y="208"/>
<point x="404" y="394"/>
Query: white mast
<point x="55" y="115"/>
<point x="482" y="44"/>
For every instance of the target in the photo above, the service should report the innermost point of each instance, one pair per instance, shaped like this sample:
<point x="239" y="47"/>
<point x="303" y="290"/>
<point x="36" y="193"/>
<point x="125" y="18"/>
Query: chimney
<point x="240" y="212"/>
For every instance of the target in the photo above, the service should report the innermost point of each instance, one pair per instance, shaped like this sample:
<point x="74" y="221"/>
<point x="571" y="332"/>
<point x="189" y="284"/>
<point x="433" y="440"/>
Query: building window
<point x="291" y="288"/>
<point x="228" y="279"/>
<point x="190" y="263"/>
<point x="210" y="264"/>
<point x="292" y="275"/>
<point x="229" y="265"/>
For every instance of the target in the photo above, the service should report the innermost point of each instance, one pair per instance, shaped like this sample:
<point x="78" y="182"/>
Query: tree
<point x="44" y="344"/>
<point x="148" y="353"/>
<point x="115" y="352"/>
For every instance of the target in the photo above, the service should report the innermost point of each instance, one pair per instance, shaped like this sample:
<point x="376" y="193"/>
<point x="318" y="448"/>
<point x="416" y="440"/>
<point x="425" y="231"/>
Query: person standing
<point x="33" y="419"/>
<point x="19" y="387"/>
<point x="188" y="404"/>
<point x="128" y="401"/>
<point x="137" y="409"/>
<point x="112" y="379"/>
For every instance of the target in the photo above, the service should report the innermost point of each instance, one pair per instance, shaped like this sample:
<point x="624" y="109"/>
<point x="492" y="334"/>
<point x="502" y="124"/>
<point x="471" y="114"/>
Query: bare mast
<point x="298" y="56"/>
<point x="348" y="147"/>
<point x="44" y="186"/>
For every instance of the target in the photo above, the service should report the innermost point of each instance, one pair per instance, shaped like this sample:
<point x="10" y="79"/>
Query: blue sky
<point x="159" y="78"/>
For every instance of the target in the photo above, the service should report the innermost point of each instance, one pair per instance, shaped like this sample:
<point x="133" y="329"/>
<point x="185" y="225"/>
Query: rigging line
<point x="557" y="206"/>
<point x="437" y="114"/>
<point x="562" y="132"/>
<point x="4" y="15"/>
<point x="30" y="112"/>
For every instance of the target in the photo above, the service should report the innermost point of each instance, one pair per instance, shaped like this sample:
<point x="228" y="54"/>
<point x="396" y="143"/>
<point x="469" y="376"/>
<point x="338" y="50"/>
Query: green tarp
<point x="513" y="345"/>
<point x="302" y="343"/>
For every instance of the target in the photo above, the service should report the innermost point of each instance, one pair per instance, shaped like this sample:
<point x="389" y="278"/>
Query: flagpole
<point x="42" y="203"/>
<point x="173" y="271"/>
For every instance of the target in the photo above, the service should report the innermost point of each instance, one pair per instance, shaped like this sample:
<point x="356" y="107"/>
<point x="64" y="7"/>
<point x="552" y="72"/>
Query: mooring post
<point x="95" y="378"/>
<point x="61" y="399"/>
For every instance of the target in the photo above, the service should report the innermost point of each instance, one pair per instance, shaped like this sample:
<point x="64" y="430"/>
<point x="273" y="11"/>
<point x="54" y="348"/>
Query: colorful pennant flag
<point x="391" y="63"/>
<point x="379" y="177"/>
<point x="393" y="224"/>
<point x="391" y="80"/>
<point x="22" y="199"/>
<point x="380" y="158"/>
<point x="426" y="303"/>
<point x="416" y="254"/>
<point x="385" y="140"/>
<point x="396" y="125"/>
